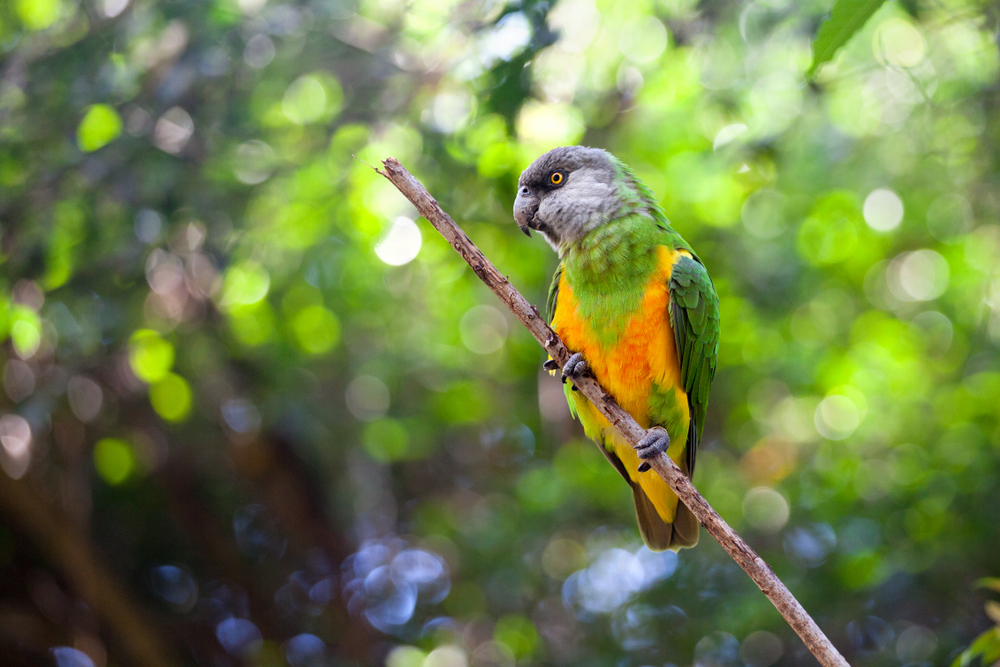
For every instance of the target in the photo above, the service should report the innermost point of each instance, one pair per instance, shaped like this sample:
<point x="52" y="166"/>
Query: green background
<point x="288" y="424"/>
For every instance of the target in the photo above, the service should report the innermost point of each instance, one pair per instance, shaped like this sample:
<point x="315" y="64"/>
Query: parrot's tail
<point x="660" y="535"/>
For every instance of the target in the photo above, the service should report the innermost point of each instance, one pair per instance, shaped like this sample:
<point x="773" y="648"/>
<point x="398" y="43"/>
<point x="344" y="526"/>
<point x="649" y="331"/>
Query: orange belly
<point x="643" y="356"/>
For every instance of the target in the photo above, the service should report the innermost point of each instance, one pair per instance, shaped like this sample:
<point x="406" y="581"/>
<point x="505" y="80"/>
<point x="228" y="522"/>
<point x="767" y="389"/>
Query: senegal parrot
<point x="635" y="304"/>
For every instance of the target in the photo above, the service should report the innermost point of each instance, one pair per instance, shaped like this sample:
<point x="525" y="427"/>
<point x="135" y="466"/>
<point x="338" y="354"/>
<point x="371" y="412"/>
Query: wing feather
<point x="694" y="315"/>
<point x="550" y="302"/>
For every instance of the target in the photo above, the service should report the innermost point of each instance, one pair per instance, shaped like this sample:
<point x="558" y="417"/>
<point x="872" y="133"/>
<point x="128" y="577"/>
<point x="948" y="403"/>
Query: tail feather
<point x="660" y="535"/>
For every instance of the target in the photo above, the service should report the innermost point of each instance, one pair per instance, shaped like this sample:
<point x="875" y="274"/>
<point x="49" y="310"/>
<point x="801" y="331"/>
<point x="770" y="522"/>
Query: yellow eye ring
<point x="556" y="177"/>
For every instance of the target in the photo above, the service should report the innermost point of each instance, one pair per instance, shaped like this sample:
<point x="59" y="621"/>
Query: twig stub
<point x="739" y="551"/>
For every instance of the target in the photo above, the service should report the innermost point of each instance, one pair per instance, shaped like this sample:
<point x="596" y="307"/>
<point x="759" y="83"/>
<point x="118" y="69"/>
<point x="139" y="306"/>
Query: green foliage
<point x="985" y="647"/>
<point x="846" y="19"/>
<point x="100" y="126"/>
<point x="25" y="330"/>
<point x="386" y="439"/>
<point x="150" y="356"/>
<point x="517" y="633"/>
<point x="268" y="393"/>
<point x="170" y="396"/>
<point x="38" y="14"/>
<point x="114" y="460"/>
<point x="316" y="329"/>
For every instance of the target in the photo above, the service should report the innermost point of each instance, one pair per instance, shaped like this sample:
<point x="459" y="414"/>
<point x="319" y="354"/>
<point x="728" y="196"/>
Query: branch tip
<point x="374" y="168"/>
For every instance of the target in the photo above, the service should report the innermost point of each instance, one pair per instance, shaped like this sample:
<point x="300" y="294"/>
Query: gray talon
<point x="551" y="365"/>
<point x="655" y="441"/>
<point x="575" y="367"/>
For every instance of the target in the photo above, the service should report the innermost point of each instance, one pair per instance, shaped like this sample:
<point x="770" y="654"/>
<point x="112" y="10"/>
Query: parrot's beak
<point x="525" y="207"/>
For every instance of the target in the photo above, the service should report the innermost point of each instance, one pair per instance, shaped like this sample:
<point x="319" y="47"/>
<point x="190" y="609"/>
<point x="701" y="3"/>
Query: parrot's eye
<point x="556" y="178"/>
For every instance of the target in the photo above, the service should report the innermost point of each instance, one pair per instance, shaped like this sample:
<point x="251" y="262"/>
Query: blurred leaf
<point x="150" y="356"/>
<point x="846" y="18"/>
<point x="517" y="633"/>
<point x="114" y="460"/>
<point x="464" y="402"/>
<point x="386" y="439"/>
<point x="68" y="232"/>
<point x="39" y="14"/>
<point x="245" y="284"/>
<point x="25" y="330"/>
<point x="405" y="656"/>
<point x="317" y="330"/>
<point x="985" y="648"/>
<point x="99" y="127"/>
<point x="253" y="324"/>
<point x="171" y="397"/>
<point x="993" y="611"/>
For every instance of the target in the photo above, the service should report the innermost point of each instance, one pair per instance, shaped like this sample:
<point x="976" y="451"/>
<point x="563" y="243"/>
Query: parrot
<point x="638" y="310"/>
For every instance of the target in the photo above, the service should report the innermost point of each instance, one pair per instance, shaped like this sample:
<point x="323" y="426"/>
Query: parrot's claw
<point x="574" y="368"/>
<point x="657" y="440"/>
<point x="551" y="365"/>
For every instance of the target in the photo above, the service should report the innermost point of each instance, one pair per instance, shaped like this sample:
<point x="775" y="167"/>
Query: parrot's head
<point x="568" y="192"/>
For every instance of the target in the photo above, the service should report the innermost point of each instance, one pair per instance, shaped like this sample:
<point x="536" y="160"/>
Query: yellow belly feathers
<point x="645" y="354"/>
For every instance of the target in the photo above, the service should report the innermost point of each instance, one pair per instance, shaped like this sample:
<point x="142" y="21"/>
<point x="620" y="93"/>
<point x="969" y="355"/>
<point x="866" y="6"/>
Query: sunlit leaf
<point x="114" y="460"/>
<point x="846" y="18"/>
<point x="99" y="127"/>
<point x="517" y="633"/>
<point x="25" y="331"/>
<point x="150" y="356"/>
<point x="253" y="324"/>
<point x="316" y="329"/>
<point x="305" y="100"/>
<point x="245" y="284"/>
<point x="171" y="397"/>
<point x="985" y="650"/>
<point x="39" y="14"/>
<point x="385" y="439"/>
<point x="993" y="611"/>
<point x="405" y="656"/>
<point x="67" y="233"/>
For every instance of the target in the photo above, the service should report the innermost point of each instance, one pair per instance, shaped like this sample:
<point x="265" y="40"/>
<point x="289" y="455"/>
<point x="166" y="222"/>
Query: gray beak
<point x="525" y="207"/>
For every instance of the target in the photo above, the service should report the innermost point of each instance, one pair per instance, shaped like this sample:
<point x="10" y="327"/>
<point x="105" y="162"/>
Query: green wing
<point x="550" y="302"/>
<point x="694" y="315"/>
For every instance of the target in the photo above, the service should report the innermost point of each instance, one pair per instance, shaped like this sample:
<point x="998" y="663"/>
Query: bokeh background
<point x="255" y="412"/>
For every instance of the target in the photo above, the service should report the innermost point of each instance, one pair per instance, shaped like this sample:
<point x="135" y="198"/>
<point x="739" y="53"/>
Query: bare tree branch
<point x="751" y="563"/>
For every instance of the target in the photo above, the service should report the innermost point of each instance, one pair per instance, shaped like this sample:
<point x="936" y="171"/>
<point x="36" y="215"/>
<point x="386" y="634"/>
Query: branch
<point x="752" y="564"/>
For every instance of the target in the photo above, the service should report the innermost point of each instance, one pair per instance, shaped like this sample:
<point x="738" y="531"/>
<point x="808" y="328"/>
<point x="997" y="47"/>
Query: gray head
<point x="566" y="193"/>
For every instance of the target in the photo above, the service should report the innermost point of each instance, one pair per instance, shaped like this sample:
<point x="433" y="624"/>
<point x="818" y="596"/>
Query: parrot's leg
<point x="574" y="368"/>
<point x="657" y="440"/>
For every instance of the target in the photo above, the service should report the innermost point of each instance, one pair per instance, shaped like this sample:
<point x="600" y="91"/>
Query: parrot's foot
<point x="551" y="365"/>
<point x="657" y="440"/>
<point x="574" y="368"/>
